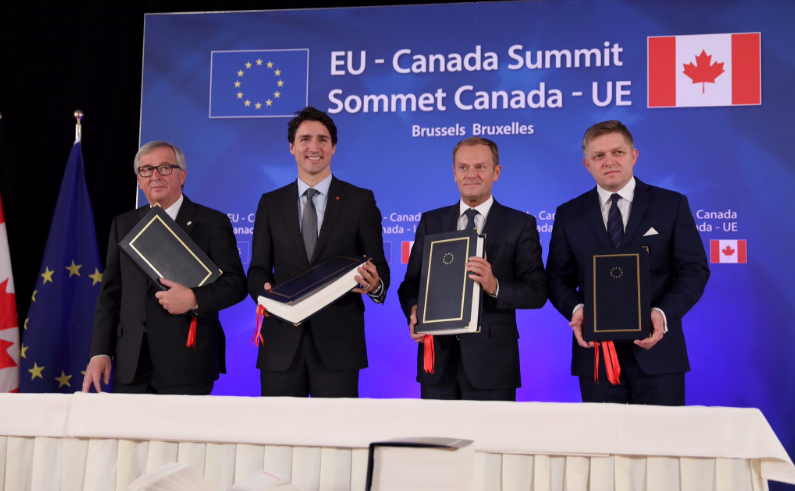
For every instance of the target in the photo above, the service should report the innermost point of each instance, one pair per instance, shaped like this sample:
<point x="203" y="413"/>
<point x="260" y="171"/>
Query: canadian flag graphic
<point x="705" y="70"/>
<point x="405" y="251"/>
<point x="728" y="251"/>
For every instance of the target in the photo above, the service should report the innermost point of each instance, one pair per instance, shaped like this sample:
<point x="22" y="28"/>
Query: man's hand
<point x="368" y="278"/>
<point x="177" y="299"/>
<point x="658" y="329"/>
<point x="480" y="270"/>
<point x="413" y="322"/>
<point x="576" y="326"/>
<point x="264" y="310"/>
<point x="98" y="369"/>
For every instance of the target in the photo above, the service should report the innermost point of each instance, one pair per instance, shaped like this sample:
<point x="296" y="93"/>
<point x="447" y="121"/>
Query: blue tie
<point x="615" y="225"/>
<point x="471" y="214"/>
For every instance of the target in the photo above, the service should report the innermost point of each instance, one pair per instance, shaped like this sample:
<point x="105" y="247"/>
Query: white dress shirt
<point x="320" y="199"/>
<point x="480" y="222"/>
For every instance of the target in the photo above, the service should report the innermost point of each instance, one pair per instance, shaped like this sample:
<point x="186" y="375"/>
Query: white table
<point x="101" y="442"/>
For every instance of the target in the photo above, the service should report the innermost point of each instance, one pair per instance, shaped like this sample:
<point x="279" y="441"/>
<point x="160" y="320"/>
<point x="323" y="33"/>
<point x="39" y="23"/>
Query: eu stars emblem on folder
<point x="617" y="295"/>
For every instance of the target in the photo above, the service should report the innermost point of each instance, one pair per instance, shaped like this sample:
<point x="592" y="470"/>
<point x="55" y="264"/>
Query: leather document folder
<point x="297" y="299"/>
<point x="617" y="295"/>
<point x="163" y="250"/>
<point x="449" y="301"/>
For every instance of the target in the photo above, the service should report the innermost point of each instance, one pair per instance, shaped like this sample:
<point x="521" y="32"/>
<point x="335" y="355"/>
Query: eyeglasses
<point x="163" y="170"/>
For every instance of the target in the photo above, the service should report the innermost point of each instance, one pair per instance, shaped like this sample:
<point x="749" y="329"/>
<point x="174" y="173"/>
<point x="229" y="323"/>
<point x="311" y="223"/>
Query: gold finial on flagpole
<point x="78" y="128"/>
<point x="1" y="116"/>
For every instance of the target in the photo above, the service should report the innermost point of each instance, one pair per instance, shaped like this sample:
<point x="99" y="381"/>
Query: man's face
<point x="610" y="159"/>
<point x="475" y="173"/>
<point x="163" y="190"/>
<point x="313" y="150"/>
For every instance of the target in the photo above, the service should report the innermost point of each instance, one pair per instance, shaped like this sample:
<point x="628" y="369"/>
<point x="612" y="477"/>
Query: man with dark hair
<point x="483" y="365"/>
<point x="146" y="329"/>
<point x="299" y="226"/>
<point x="622" y="211"/>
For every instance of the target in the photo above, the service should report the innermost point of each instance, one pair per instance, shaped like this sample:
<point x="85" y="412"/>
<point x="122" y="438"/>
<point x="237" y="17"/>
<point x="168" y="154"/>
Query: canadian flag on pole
<point x="705" y="70"/>
<point x="728" y="251"/>
<point x="9" y="324"/>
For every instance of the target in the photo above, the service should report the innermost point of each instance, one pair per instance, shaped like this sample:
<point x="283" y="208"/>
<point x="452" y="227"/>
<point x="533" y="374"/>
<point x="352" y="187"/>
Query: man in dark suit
<point x="622" y="211"/>
<point x="484" y="365"/>
<point x="145" y="329"/>
<point x="301" y="225"/>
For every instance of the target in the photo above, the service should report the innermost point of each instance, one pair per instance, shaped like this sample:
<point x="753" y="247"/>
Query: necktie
<point x="615" y="224"/>
<point x="309" y="223"/>
<point x="471" y="213"/>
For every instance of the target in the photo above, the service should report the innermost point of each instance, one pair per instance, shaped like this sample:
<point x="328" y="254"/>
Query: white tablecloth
<point x="105" y="441"/>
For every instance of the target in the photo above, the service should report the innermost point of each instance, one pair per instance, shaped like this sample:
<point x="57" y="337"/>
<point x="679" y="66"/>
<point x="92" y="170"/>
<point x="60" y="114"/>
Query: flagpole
<point x="78" y="128"/>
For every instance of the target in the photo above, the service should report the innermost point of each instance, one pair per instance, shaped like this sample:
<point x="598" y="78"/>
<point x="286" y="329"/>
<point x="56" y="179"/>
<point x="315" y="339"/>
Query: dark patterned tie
<point x="309" y="223"/>
<point x="471" y="214"/>
<point x="615" y="224"/>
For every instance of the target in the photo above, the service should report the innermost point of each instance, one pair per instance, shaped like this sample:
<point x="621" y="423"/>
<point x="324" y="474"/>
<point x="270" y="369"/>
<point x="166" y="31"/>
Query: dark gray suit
<point x="127" y="305"/>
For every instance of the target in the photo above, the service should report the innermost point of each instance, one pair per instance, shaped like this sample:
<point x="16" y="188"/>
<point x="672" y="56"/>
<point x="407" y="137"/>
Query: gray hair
<point x="154" y="145"/>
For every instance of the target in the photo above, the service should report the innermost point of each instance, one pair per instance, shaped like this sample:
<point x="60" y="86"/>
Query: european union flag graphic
<point x="259" y="83"/>
<point x="57" y="333"/>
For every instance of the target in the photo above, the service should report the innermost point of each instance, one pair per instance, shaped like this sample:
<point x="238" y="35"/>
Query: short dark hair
<point x="309" y="113"/>
<point x="478" y="140"/>
<point x="606" y="128"/>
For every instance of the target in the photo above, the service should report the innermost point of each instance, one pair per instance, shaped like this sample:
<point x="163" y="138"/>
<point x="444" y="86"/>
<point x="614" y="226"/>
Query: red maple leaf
<point x="5" y="359"/>
<point x="8" y="308"/>
<point x="728" y="250"/>
<point x="704" y="70"/>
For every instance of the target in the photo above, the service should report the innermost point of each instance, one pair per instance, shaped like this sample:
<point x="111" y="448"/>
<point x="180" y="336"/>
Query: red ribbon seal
<point x="611" y="362"/>
<point x="257" y="339"/>
<point x="192" y="332"/>
<point x="430" y="355"/>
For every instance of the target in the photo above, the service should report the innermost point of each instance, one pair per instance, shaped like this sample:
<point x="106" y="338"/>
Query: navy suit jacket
<point x="351" y="226"/>
<point x="490" y="357"/>
<point x="127" y="305"/>
<point x="677" y="265"/>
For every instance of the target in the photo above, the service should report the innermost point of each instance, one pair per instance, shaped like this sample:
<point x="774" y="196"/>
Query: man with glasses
<point x="145" y="329"/>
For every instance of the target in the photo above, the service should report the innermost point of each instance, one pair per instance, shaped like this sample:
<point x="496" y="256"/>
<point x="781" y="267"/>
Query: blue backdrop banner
<point x="703" y="85"/>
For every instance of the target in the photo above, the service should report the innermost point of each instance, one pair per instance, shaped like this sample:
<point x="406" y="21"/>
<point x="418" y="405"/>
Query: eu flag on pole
<point x="57" y="332"/>
<point x="258" y="83"/>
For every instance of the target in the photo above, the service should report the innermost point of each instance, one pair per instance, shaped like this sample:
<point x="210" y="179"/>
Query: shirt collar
<point x="482" y="208"/>
<point x="173" y="210"/>
<point x="321" y="187"/>
<point x="627" y="192"/>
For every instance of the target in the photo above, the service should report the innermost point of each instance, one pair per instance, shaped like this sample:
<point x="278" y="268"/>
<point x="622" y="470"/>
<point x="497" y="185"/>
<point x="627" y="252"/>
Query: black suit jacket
<point x="677" y="265"/>
<point x="490" y="357"/>
<point x="351" y="226"/>
<point x="126" y="305"/>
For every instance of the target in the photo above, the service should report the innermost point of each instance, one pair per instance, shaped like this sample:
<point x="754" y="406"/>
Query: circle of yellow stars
<point x="239" y="83"/>
<point x="47" y="277"/>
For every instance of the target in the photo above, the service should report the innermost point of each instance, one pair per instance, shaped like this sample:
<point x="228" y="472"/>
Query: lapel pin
<point x="338" y="198"/>
<point x="190" y="223"/>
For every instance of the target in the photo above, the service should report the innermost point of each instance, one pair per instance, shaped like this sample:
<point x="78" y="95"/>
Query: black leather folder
<point x="449" y="301"/>
<point x="163" y="250"/>
<point x="616" y="295"/>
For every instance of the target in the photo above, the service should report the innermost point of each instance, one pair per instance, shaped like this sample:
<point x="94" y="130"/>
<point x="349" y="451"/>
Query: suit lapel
<point x="334" y="202"/>
<point x="494" y="223"/>
<point x="289" y="203"/>
<point x="185" y="215"/>
<point x="640" y="203"/>
<point x="450" y="219"/>
<point x="593" y="211"/>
